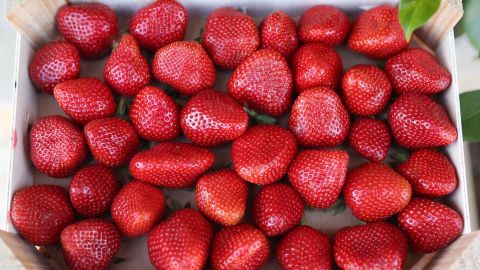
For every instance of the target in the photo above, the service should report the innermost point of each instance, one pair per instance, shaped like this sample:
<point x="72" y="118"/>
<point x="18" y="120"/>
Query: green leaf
<point x="123" y="107"/>
<point x="415" y="13"/>
<point x="472" y="22"/>
<point x="260" y="118"/>
<point x="118" y="260"/>
<point x="200" y="34"/>
<point x="470" y="109"/>
<point x="337" y="208"/>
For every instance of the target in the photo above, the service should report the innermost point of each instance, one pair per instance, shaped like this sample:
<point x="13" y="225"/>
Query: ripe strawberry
<point x="90" y="27"/>
<point x="318" y="118"/>
<point x="365" y="89"/>
<point x="229" y="37"/>
<point x="371" y="138"/>
<point x="184" y="65"/>
<point x="159" y="24"/>
<point x="262" y="154"/>
<point x="325" y="24"/>
<point x="278" y="31"/>
<point x="430" y="226"/>
<point x="212" y="118"/>
<point x="39" y="213"/>
<point x="57" y="146"/>
<point x="377" y="33"/>
<point x="419" y="122"/>
<point x="181" y="242"/>
<point x="112" y="141"/>
<point x="221" y="196"/>
<point x="319" y="175"/>
<point x="416" y="70"/>
<point x="263" y="81"/>
<point x="241" y="247"/>
<point x="92" y="190"/>
<point x="430" y="173"/>
<point x="85" y="99"/>
<point x="371" y="246"/>
<point x="171" y="164"/>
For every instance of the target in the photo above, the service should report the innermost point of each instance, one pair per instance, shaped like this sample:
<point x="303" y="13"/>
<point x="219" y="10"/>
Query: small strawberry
<point x="430" y="226"/>
<point x="278" y="31"/>
<point x="40" y="213"/>
<point x="325" y="24"/>
<point x="371" y="138"/>
<point x="375" y="192"/>
<point x="419" y="122"/>
<point x="263" y="81"/>
<point x="229" y="37"/>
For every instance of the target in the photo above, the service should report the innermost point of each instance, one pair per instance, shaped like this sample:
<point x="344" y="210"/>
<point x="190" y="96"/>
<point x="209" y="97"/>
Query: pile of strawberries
<point x="279" y="69"/>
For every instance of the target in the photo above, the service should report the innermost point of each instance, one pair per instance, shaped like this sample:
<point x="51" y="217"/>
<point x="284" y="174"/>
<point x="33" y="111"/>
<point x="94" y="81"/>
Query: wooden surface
<point x="16" y="254"/>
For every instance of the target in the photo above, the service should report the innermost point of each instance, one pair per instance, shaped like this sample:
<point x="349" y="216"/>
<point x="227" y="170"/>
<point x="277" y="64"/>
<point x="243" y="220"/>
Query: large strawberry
<point x="371" y="138"/>
<point x="278" y="31"/>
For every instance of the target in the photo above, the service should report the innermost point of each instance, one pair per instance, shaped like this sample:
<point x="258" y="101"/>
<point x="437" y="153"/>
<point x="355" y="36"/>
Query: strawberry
<point x="318" y="118"/>
<point x="371" y="138"/>
<point x="57" y="146"/>
<point x="212" y="118"/>
<point x="430" y="226"/>
<point x="419" y="122"/>
<point x="375" y="192"/>
<point x="263" y="81"/>
<point x="221" y="196"/>
<point x="377" y="33"/>
<point x="90" y="27"/>
<point x="278" y="31"/>
<point x="229" y="37"/>
<point x="262" y="154"/>
<point x="39" y="213"/>
<point x="92" y="190"/>
<point x="126" y="70"/>
<point x="365" y="90"/>
<point x="137" y="207"/>
<point x="319" y="175"/>
<point x="417" y="71"/>
<point x="171" y="164"/>
<point x="90" y="244"/>
<point x="277" y="209"/>
<point x="154" y="115"/>
<point x="112" y="141"/>
<point x="304" y="248"/>
<point x="85" y="99"/>
<point x="430" y="173"/>
<point x="371" y="246"/>
<point x="184" y="65"/>
<point x="181" y="242"/>
<point x="240" y="247"/>
<point x="159" y="24"/>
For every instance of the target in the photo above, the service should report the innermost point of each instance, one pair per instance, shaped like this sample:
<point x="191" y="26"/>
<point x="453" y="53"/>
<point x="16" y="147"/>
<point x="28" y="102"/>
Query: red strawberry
<point x="221" y="196"/>
<point x="372" y="246"/>
<point x="371" y="138"/>
<point x="184" y="65"/>
<point x="430" y="226"/>
<point x="92" y="190"/>
<point x="325" y="24"/>
<point x="430" y="173"/>
<point x="365" y="89"/>
<point x="181" y="242"/>
<point x="377" y="33"/>
<point x="304" y="248"/>
<point x="137" y="207"/>
<point x="318" y="118"/>
<point x="419" y="122"/>
<point x="158" y="24"/>
<point x="319" y="175"/>
<point x="315" y="65"/>
<point x="211" y="118"/>
<point x="126" y="70"/>
<point x="171" y="164"/>
<point x="375" y="192"/>
<point x="54" y="63"/>
<point x="39" y="213"/>
<point x="263" y="82"/>
<point x="85" y="99"/>
<point x="154" y="115"/>
<point x="57" y="146"/>
<point x="229" y="37"/>
<point x="262" y="154"/>
<point x="112" y="141"/>
<point x="416" y="70"/>
<point x="277" y="209"/>
<point x="90" y="244"/>
<point x="241" y="247"/>
<point x="278" y="31"/>
<point x="90" y="27"/>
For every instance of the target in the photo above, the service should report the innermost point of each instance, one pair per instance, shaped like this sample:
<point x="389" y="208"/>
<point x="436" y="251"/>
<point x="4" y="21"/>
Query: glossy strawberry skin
<point x="370" y="138"/>
<point x="278" y="31"/>
<point x="325" y="24"/>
